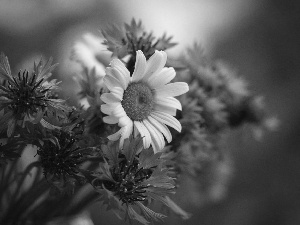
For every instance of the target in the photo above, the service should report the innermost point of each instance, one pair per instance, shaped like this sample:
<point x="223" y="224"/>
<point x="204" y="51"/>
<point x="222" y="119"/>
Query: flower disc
<point x="138" y="101"/>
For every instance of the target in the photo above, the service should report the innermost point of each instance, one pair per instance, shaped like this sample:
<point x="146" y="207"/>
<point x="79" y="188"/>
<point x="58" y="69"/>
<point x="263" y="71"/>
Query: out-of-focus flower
<point x="133" y="178"/>
<point x="91" y="54"/>
<point x="259" y="119"/>
<point x="222" y="93"/>
<point x="143" y="103"/>
<point x="85" y="52"/>
<point x="27" y="96"/>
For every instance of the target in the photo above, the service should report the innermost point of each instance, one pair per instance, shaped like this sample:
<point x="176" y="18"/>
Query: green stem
<point x="24" y="175"/>
<point x="15" y="211"/>
<point x="6" y="178"/>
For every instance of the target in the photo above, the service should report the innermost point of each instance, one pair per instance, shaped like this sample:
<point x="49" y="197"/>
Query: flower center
<point x="138" y="101"/>
<point x="128" y="185"/>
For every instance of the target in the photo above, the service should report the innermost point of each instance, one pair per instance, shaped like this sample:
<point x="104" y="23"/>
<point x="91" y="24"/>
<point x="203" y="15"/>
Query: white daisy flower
<point x="143" y="103"/>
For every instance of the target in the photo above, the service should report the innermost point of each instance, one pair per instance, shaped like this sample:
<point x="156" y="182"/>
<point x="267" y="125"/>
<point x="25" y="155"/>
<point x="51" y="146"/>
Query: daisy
<point x="143" y="103"/>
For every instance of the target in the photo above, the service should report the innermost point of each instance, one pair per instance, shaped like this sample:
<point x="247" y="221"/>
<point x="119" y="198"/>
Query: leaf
<point x="37" y="118"/>
<point x="111" y="201"/>
<point x="164" y="43"/>
<point x="11" y="127"/>
<point x="44" y="71"/>
<point x="132" y="146"/>
<point x="45" y="124"/>
<point x="148" y="159"/>
<point x="160" y="178"/>
<point x="135" y="216"/>
<point x="111" y="152"/>
<point x="176" y="209"/>
<point x="4" y="67"/>
<point x="116" y="40"/>
<point x="135" y="29"/>
<point x="53" y="140"/>
<point x="150" y="214"/>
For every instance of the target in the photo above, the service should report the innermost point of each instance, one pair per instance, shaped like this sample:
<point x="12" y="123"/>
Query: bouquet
<point x="141" y="122"/>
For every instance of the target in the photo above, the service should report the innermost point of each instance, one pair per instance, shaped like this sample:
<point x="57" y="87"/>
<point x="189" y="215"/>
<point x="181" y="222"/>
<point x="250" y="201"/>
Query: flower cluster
<point x="218" y="101"/>
<point x="130" y="179"/>
<point x="130" y="137"/>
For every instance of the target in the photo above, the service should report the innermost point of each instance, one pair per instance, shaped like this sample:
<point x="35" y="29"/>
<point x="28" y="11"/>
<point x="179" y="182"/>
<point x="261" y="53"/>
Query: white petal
<point x="173" y="89"/>
<point x="157" y="140"/>
<point x="118" y="93"/>
<point x="144" y="133"/>
<point x="111" y="82"/>
<point x="114" y="72"/>
<point x="110" y="119"/>
<point x="166" y="109"/>
<point x="136" y="132"/>
<point x="155" y="64"/>
<point x="161" y="128"/>
<point x="108" y="108"/>
<point x="109" y="98"/>
<point x="162" y="78"/>
<point x="168" y="101"/>
<point x="140" y="66"/>
<point x="116" y="63"/>
<point x="126" y="132"/>
<point x="167" y="119"/>
<point x="124" y="121"/>
<point x="119" y="111"/>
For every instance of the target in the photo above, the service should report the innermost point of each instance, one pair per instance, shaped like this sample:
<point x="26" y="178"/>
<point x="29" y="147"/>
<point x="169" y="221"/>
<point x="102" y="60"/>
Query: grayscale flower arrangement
<point x="140" y="124"/>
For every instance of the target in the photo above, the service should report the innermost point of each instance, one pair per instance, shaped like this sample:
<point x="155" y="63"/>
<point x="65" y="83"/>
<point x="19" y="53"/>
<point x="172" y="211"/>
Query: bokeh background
<point x="260" y="38"/>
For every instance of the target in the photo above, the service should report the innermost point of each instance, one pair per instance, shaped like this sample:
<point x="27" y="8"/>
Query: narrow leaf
<point x="4" y="67"/>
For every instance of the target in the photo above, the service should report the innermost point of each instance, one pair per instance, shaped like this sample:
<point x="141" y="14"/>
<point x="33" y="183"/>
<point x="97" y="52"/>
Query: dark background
<point x="260" y="38"/>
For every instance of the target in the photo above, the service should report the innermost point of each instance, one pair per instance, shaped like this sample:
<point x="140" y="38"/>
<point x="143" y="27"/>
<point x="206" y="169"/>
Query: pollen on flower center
<point x="138" y="101"/>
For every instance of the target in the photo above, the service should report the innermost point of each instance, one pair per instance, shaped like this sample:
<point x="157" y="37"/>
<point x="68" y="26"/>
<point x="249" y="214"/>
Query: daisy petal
<point x="118" y="93"/>
<point x="165" y="109"/>
<point x="162" y="78"/>
<point x="140" y="66"/>
<point x="116" y="73"/>
<point x="155" y="64"/>
<point x="136" y="132"/>
<point x="119" y="111"/>
<point x="173" y="89"/>
<point x="157" y="140"/>
<point x="110" y="119"/>
<point x="111" y="82"/>
<point x="161" y="128"/>
<point x="167" y="119"/>
<point x="124" y="121"/>
<point x="108" y="108"/>
<point x="116" y="63"/>
<point x="169" y="101"/>
<point x="144" y="133"/>
<point x="126" y="132"/>
<point x="109" y="98"/>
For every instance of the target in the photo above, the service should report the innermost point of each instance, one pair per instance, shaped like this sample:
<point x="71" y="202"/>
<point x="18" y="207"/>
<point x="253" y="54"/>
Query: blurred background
<point x="260" y="38"/>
